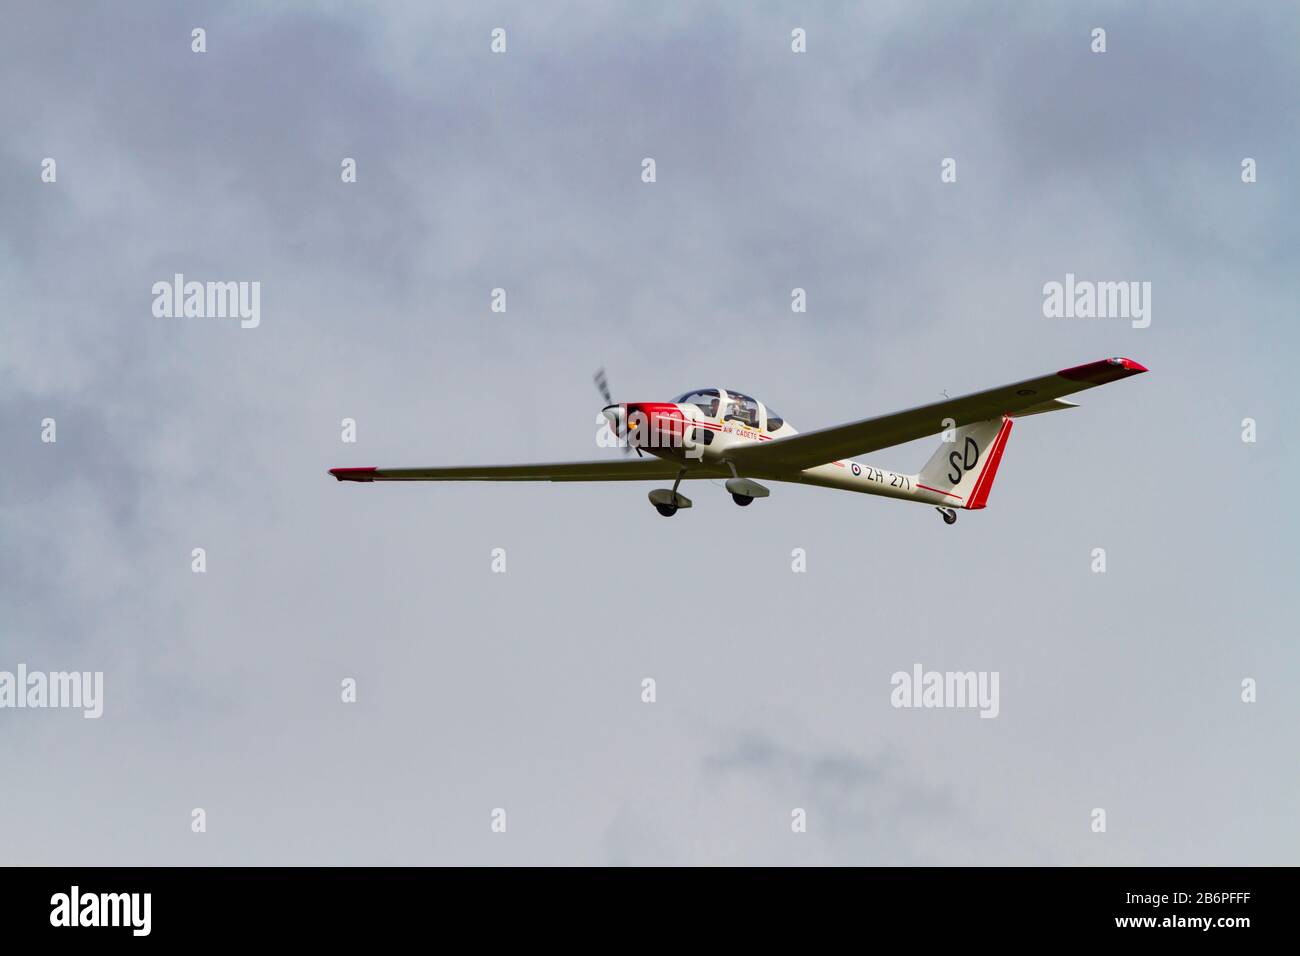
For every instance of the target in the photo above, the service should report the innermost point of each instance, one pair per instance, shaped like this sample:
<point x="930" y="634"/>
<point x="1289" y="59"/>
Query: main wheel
<point x="666" y="510"/>
<point x="742" y="500"/>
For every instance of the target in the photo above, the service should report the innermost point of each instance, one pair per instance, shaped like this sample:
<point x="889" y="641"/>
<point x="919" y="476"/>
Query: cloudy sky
<point x="522" y="690"/>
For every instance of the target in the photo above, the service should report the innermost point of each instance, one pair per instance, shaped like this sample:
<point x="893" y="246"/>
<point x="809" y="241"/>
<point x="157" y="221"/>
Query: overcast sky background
<point x="522" y="690"/>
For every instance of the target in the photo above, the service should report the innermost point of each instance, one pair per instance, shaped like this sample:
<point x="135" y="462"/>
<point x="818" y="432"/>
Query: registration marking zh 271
<point x="894" y="480"/>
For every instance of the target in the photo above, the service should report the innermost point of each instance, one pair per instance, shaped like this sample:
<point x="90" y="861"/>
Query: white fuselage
<point x="711" y="451"/>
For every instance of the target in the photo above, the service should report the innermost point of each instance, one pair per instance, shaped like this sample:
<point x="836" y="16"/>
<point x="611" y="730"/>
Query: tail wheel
<point x="949" y="516"/>
<point x="742" y="500"/>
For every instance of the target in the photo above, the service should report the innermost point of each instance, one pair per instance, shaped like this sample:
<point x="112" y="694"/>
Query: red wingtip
<point x="354" y="474"/>
<point x="1105" y="370"/>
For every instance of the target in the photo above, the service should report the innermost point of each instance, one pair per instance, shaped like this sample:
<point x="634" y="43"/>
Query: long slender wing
<point x="641" y="469"/>
<point x="859" y="438"/>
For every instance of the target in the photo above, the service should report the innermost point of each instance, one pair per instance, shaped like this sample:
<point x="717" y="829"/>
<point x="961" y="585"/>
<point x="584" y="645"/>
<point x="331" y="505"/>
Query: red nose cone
<point x="636" y="423"/>
<point x="649" y="424"/>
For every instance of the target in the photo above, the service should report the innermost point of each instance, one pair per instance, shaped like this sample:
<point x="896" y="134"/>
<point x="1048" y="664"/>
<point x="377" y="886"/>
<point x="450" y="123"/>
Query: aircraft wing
<point x="808" y="449"/>
<point x="638" y="469"/>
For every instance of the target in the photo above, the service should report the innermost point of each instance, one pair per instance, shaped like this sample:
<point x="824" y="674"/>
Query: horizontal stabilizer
<point x="1055" y="405"/>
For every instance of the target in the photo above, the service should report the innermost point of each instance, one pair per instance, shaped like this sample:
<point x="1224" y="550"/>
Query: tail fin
<point x="964" y="468"/>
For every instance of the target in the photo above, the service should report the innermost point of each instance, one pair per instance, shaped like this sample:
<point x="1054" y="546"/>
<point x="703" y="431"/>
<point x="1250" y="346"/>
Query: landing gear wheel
<point x="742" y="500"/>
<point x="949" y="516"/>
<point x="669" y="510"/>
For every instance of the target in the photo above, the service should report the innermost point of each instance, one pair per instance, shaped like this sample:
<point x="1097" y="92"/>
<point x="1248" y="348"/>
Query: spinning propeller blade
<point x="602" y="386"/>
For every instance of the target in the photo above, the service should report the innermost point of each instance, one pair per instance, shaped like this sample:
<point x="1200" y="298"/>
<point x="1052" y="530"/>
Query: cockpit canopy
<point x="705" y="398"/>
<point x="730" y="405"/>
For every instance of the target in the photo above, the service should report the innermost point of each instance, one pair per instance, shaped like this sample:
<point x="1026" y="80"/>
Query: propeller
<point x="602" y="386"/>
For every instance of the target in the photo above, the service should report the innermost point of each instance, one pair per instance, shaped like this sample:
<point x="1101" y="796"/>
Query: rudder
<point x="963" y="469"/>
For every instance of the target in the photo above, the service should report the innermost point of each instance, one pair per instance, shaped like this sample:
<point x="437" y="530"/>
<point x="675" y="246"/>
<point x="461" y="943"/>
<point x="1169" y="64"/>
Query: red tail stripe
<point x="980" y="496"/>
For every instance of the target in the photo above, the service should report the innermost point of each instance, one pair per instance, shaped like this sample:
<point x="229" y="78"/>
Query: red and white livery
<point x="721" y="433"/>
